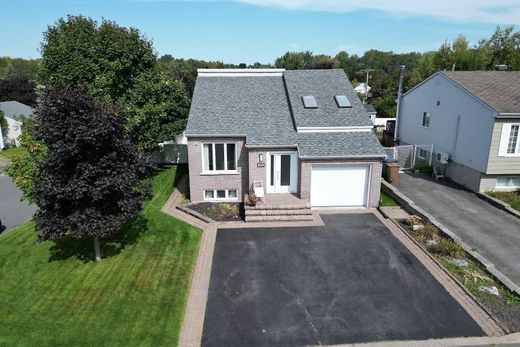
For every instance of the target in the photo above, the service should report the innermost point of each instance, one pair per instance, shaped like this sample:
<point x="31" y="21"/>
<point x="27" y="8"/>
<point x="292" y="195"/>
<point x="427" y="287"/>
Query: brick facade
<point x="250" y="169"/>
<point x="200" y="181"/>
<point x="376" y="167"/>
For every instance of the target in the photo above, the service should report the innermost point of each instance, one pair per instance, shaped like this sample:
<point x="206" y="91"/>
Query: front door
<point x="282" y="172"/>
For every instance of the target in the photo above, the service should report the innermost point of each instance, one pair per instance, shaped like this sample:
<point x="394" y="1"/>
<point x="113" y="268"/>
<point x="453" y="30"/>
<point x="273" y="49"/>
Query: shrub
<point x="447" y="248"/>
<point x="253" y="199"/>
<point x="427" y="232"/>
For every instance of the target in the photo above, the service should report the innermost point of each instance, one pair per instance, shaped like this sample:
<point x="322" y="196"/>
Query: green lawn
<point x="13" y="152"/>
<point x="512" y="198"/>
<point x="387" y="200"/>
<point x="52" y="295"/>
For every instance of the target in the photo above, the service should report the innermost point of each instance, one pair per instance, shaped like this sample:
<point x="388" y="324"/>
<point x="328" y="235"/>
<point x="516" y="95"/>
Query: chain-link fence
<point x="411" y="156"/>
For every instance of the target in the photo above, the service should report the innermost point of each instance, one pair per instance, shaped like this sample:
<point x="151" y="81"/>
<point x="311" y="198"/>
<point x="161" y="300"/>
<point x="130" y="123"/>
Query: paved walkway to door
<point x="495" y="234"/>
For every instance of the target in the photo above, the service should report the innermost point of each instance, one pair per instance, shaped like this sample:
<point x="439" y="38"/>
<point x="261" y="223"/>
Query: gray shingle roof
<point x="12" y="109"/>
<point x="324" y="85"/>
<point x="259" y="108"/>
<point x="370" y="108"/>
<point x="498" y="89"/>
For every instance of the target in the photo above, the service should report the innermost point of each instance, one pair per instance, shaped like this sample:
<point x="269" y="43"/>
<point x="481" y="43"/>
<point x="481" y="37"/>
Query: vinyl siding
<point x="501" y="165"/>
<point x="460" y="125"/>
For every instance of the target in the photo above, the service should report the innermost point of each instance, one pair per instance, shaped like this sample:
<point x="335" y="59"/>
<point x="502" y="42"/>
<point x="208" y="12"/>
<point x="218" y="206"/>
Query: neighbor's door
<point x="282" y="173"/>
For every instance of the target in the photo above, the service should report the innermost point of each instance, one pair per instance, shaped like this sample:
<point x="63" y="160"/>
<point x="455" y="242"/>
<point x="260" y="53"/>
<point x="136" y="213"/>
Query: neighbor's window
<point x="508" y="182"/>
<point x="426" y="119"/>
<point x="512" y="144"/>
<point x="219" y="157"/>
<point x="220" y="194"/>
<point x="422" y="153"/>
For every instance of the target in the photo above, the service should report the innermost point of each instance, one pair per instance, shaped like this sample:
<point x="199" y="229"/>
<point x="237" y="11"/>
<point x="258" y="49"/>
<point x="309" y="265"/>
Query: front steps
<point x="269" y="212"/>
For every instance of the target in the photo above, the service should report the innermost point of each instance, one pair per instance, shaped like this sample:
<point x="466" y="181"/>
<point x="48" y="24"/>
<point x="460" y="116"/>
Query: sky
<point x="248" y="31"/>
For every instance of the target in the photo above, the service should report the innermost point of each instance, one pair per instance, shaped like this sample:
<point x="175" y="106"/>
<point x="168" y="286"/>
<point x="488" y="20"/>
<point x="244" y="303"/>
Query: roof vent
<point x="342" y="101"/>
<point x="309" y="101"/>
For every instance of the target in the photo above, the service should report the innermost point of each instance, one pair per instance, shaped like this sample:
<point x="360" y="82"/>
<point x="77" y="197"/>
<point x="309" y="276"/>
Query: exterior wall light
<point x="261" y="157"/>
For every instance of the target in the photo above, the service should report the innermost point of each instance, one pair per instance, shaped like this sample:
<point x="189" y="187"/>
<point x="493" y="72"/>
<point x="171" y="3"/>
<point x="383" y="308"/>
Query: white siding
<point x="460" y="125"/>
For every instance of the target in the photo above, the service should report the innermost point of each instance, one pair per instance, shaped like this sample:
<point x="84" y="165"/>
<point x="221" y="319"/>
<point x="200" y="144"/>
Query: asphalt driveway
<point x="348" y="281"/>
<point x="493" y="232"/>
<point x="13" y="212"/>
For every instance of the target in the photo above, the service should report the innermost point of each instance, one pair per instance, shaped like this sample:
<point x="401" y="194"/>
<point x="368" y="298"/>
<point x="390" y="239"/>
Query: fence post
<point x="431" y="155"/>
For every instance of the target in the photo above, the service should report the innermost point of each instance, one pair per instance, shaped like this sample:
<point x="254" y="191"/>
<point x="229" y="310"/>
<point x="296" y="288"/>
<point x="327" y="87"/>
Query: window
<point x="221" y="194"/>
<point x="309" y="101"/>
<point x="426" y="119"/>
<point x="508" y="182"/>
<point x="342" y="101"/>
<point x="421" y="153"/>
<point x="512" y="144"/>
<point x="219" y="157"/>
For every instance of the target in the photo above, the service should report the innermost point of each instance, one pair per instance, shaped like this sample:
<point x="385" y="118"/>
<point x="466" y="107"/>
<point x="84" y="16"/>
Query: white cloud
<point x="483" y="11"/>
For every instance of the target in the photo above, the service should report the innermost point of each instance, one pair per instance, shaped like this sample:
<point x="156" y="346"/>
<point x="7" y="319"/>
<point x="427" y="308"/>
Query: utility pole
<point x="367" y="71"/>
<point x="398" y="109"/>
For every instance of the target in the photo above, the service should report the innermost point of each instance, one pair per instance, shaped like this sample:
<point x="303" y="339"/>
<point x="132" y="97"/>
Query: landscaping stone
<point x="431" y="242"/>
<point x="459" y="262"/>
<point x="490" y="290"/>
<point x="416" y="227"/>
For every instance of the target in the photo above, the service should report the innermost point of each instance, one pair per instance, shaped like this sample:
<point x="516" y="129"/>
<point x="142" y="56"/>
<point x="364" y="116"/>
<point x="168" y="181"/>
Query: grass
<point x="387" y="200"/>
<point x="52" y="294"/>
<point x="13" y="152"/>
<point x="511" y="198"/>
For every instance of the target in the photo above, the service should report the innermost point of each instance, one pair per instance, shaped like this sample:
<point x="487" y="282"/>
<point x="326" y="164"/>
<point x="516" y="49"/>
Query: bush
<point x="447" y="248"/>
<point x="427" y="232"/>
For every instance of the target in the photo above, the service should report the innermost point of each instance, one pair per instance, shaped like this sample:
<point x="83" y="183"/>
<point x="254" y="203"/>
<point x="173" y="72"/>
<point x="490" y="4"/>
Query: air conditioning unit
<point x="442" y="158"/>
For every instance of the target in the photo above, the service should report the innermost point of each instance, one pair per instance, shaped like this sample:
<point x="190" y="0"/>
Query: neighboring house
<point x="473" y="120"/>
<point x="13" y="110"/>
<point x="362" y="88"/>
<point x="300" y="132"/>
<point x="372" y="112"/>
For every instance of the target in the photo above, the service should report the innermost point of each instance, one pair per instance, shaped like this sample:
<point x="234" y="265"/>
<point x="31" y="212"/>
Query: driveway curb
<point x="411" y="207"/>
<point x="504" y="206"/>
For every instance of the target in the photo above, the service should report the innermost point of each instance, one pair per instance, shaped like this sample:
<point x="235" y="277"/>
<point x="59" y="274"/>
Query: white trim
<point x="504" y="141"/>
<point x="215" y="198"/>
<point x="348" y="129"/>
<point x="214" y="157"/>
<point x="267" y="70"/>
<point x="373" y="156"/>
<point x="508" y="114"/>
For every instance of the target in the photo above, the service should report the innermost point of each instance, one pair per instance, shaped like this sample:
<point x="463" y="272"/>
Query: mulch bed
<point x="507" y="313"/>
<point x="220" y="211"/>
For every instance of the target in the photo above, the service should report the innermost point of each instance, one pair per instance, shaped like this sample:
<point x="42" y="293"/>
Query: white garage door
<point x="339" y="186"/>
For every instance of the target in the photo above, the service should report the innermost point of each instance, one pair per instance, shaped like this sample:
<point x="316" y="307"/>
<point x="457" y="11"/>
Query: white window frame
<point x="429" y="117"/>
<point x="215" y="198"/>
<point x="214" y="160"/>
<point x="504" y="141"/>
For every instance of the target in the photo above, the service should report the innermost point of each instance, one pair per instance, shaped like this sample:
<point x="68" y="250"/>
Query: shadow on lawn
<point x="83" y="249"/>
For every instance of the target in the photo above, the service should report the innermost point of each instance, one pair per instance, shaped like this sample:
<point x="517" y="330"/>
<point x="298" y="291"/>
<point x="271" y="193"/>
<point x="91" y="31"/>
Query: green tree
<point x="113" y="62"/>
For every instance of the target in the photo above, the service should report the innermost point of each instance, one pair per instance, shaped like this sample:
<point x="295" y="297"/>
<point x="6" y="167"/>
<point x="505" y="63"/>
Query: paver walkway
<point x="492" y="232"/>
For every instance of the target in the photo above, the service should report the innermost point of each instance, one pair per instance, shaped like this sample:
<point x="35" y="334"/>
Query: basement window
<point x="342" y="101"/>
<point x="309" y="101"/>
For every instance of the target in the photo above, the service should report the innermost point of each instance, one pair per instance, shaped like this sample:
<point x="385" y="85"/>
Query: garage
<point x="339" y="185"/>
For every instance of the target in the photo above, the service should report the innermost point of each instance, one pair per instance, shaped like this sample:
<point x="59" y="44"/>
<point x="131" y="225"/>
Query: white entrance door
<point x="282" y="172"/>
<point x="339" y="186"/>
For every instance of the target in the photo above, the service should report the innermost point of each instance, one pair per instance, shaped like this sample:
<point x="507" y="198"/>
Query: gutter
<point x="508" y="115"/>
<point x="370" y="156"/>
<point x="215" y="135"/>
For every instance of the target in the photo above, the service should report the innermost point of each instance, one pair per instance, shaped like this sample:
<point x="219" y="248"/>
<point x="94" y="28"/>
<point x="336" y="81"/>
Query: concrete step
<point x="281" y="212"/>
<point x="299" y="206"/>
<point x="291" y="218"/>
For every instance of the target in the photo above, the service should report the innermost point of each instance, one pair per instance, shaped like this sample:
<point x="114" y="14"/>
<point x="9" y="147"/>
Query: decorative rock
<point x="416" y="227"/>
<point x="459" y="262"/>
<point x="431" y="242"/>
<point x="490" y="290"/>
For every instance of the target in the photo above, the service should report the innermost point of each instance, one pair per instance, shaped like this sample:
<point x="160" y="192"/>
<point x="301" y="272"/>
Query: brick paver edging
<point x="411" y="207"/>
<point x="451" y="284"/>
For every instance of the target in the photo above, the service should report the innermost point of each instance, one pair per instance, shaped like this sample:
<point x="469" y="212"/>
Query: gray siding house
<point x="303" y="133"/>
<point x="473" y="117"/>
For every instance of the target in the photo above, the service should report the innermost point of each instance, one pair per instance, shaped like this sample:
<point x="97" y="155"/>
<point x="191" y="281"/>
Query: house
<point x="13" y="112"/>
<point x="302" y="133"/>
<point x="372" y="112"/>
<point x="472" y="118"/>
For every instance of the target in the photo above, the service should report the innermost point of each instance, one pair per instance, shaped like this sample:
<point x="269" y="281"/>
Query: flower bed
<point x="220" y="211"/>
<point x="505" y="306"/>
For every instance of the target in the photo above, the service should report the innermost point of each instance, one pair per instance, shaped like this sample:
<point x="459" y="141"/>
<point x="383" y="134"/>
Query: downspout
<point x="398" y="109"/>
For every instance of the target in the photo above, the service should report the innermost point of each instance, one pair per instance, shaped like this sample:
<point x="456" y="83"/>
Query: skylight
<point x="309" y="101"/>
<point x="342" y="101"/>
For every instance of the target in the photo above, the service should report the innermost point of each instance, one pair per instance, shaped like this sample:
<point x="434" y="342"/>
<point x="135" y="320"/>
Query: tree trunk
<point x="96" y="248"/>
